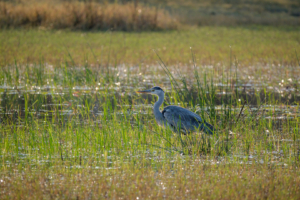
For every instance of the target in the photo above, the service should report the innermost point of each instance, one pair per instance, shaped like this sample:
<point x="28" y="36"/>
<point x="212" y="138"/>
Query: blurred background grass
<point x="211" y="45"/>
<point x="234" y="12"/>
<point x="264" y="31"/>
<point x="84" y="16"/>
<point x="128" y="15"/>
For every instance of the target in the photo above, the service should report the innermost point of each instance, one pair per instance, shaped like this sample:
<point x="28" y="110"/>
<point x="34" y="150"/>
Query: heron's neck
<point x="157" y="104"/>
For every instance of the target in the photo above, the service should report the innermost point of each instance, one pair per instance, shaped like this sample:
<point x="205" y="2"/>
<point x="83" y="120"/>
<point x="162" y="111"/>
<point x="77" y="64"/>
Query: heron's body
<point x="176" y="117"/>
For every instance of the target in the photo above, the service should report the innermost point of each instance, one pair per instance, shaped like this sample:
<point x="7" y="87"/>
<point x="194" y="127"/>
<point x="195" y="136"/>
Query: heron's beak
<point x="144" y="91"/>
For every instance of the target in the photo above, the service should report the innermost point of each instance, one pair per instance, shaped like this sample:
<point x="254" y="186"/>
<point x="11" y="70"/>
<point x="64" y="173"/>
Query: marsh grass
<point x="120" y="152"/>
<point x="84" y="16"/>
<point x="180" y="180"/>
<point x="188" y="12"/>
<point x="69" y="131"/>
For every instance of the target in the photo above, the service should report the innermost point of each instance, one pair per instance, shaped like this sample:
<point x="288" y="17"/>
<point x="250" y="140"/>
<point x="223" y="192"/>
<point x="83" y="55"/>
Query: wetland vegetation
<point x="73" y="127"/>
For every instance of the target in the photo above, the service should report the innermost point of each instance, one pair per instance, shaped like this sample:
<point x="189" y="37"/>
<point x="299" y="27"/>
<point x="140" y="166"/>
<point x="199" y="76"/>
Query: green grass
<point x="211" y="45"/>
<point x="121" y="152"/>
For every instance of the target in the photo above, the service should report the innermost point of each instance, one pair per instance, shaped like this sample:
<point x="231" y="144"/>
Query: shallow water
<point x="54" y="91"/>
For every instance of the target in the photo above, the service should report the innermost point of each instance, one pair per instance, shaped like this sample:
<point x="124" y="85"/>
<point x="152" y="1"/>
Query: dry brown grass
<point x="179" y="182"/>
<point x="84" y="16"/>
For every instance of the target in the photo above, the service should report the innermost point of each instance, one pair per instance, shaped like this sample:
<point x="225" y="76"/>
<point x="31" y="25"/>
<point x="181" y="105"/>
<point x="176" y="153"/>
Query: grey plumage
<point x="178" y="118"/>
<point x="185" y="121"/>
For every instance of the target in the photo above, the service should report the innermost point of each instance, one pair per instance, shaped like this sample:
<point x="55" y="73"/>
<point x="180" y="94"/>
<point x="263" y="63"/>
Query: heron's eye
<point x="153" y="90"/>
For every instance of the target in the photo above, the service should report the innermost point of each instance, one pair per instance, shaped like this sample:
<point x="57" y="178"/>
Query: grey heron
<point x="178" y="118"/>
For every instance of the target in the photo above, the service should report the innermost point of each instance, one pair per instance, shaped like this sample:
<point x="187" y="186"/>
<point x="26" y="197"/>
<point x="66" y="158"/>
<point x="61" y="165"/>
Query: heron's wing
<point x="181" y="118"/>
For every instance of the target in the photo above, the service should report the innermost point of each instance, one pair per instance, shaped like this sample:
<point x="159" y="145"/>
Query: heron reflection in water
<point x="178" y="118"/>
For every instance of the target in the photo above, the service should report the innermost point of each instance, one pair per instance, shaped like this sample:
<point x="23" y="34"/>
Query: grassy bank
<point x="211" y="45"/>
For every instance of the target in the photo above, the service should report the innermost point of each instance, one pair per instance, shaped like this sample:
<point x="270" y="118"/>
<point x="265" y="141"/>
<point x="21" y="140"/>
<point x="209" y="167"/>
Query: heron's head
<point x="155" y="90"/>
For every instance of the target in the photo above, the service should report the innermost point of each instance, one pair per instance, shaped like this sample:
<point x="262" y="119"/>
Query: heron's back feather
<point x="185" y="120"/>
